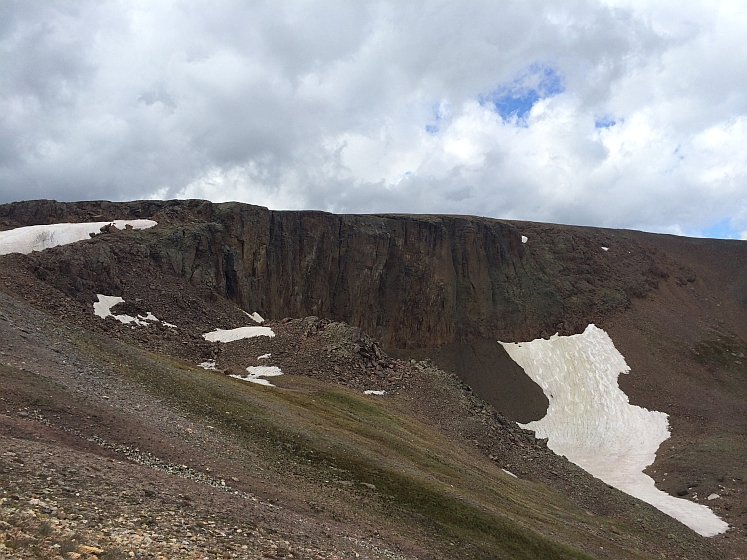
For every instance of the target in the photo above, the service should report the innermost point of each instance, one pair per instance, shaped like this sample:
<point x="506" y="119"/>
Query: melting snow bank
<point x="103" y="309"/>
<point x="231" y="335"/>
<point x="255" y="373"/>
<point x="591" y="422"/>
<point x="37" y="238"/>
<point x="370" y="392"/>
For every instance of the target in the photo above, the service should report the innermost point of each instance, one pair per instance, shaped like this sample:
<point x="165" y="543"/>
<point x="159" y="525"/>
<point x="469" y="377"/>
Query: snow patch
<point x="370" y="392"/>
<point x="509" y="473"/>
<point x="605" y="248"/>
<point x="231" y="335"/>
<point x="592" y="423"/>
<point x="256" y="373"/>
<point x="256" y="317"/>
<point x="103" y="308"/>
<point x="524" y="239"/>
<point x="37" y="238"/>
<point x="209" y="365"/>
<point x="264" y="356"/>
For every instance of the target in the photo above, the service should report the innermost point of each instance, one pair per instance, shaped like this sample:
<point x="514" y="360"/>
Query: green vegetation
<point x="398" y="466"/>
<point x="727" y="352"/>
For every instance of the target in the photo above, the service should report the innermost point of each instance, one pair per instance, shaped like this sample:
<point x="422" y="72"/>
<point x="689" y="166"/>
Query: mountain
<point x="116" y="436"/>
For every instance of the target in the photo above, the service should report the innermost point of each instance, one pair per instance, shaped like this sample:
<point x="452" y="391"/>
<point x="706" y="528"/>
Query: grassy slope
<point x="424" y="481"/>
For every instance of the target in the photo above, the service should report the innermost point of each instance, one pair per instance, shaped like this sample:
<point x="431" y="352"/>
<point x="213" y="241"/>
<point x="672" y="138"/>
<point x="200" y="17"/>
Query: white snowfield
<point x="256" y="373"/>
<point x="231" y="335"/>
<point x="37" y="238"/>
<point x="374" y="392"/>
<point x="591" y="422"/>
<point x="103" y="308"/>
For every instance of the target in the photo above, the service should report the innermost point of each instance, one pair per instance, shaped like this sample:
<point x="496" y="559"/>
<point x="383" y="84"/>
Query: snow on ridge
<point x="103" y="308"/>
<point x="372" y="392"/>
<point x="256" y="373"/>
<point x="231" y="335"/>
<point x="37" y="238"/>
<point x="591" y="422"/>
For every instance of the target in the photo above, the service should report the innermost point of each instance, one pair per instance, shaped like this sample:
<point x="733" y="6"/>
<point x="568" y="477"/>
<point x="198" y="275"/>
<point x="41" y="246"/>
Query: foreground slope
<point x="126" y="450"/>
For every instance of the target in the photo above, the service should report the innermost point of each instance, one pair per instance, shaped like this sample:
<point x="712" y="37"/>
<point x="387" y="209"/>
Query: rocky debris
<point x="347" y="356"/>
<point x="186" y="460"/>
<point x="62" y="516"/>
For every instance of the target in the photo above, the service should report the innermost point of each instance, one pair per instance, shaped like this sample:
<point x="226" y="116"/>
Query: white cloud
<point x="628" y="114"/>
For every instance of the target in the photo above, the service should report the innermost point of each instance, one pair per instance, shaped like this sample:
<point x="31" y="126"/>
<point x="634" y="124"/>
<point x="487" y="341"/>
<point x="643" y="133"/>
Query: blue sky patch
<point x="517" y="98"/>
<point x="605" y="122"/>
<point x="720" y="230"/>
<point x="439" y="112"/>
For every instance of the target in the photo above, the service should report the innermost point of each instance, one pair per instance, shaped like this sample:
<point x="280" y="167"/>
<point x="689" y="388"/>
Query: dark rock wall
<point x="411" y="281"/>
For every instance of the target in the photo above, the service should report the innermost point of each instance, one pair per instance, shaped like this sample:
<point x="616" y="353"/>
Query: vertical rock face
<point x="411" y="281"/>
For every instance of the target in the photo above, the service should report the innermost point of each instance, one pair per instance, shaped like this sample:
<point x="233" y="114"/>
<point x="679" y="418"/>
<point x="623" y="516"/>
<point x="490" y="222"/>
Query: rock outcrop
<point x="410" y="281"/>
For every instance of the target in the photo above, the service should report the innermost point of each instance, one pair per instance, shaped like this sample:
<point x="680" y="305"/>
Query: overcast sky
<point x="617" y="114"/>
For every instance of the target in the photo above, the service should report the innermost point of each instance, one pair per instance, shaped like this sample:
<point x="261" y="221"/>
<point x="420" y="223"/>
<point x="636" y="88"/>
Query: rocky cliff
<point x="411" y="281"/>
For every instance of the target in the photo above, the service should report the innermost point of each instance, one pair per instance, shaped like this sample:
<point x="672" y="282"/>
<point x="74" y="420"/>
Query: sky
<point x="608" y="113"/>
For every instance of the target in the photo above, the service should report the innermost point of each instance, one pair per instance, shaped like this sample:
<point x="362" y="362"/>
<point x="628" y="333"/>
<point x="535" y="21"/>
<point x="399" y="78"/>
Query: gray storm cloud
<point x="607" y="113"/>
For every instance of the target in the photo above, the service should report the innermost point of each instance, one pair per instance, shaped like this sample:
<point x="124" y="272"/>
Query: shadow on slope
<point x="491" y="373"/>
